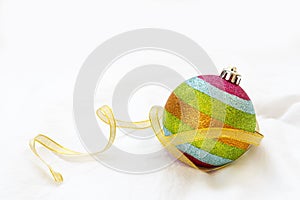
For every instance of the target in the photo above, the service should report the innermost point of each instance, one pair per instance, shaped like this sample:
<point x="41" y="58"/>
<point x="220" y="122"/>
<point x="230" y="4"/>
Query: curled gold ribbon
<point x="105" y="114"/>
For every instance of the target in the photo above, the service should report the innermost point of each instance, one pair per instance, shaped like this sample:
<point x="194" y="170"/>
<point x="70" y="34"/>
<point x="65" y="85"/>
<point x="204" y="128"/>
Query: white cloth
<point x="44" y="43"/>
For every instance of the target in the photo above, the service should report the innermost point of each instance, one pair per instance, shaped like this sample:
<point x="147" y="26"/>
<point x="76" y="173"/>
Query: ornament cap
<point x="230" y="74"/>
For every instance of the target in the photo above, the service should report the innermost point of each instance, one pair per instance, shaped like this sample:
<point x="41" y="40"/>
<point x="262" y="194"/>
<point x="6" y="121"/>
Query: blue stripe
<point x="229" y="99"/>
<point x="202" y="155"/>
<point x="166" y="131"/>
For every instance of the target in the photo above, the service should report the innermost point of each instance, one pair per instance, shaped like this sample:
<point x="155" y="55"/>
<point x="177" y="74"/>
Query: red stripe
<point x="198" y="162"/>
<point x="224" y="85"/>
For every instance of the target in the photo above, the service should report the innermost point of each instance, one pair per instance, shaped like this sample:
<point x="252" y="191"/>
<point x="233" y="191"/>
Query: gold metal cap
<point x="231" y="75"/>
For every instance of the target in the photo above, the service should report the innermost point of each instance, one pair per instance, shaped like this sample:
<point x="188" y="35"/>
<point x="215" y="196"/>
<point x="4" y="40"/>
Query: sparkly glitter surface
<point x="219" y="149"/>
<point x="202" y="155"/>
<point x="234" y="143"/>
<point x="189" y="115"/>
<point x="225" y="86"/>
<point x="215" y="108"/>
<point x="227" y="98"/>
<point x="204" y="102"/>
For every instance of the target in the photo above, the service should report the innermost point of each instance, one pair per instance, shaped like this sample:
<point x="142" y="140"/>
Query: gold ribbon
<point x="169" y="142"/>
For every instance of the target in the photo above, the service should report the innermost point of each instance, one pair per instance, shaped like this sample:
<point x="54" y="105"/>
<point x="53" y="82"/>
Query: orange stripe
<point x="197" y="120"/>
<point x="234" y="143"/>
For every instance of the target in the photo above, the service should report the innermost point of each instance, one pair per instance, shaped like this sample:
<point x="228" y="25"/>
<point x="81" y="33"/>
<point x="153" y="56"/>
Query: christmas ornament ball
<point x="210" y="101"/>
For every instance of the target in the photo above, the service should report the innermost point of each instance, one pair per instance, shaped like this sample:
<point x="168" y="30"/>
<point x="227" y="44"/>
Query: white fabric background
<point x="44" y="43"/>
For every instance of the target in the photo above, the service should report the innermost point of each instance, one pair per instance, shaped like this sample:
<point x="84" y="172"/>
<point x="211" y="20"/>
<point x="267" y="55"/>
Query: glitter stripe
<point x="225" y="86"/>
<point x="202" y="155"/>
<point x="234" y="143"/>
<point x="173" y="124"/>
<point x="227" y="98"/>
<point x="216" y="148"/>
<point x="219" y="149"/>
<point x="197" y="162"/>
<point x="191" y="116"/>
<point x="166" y="131"/>
<point x="215" y="108"/>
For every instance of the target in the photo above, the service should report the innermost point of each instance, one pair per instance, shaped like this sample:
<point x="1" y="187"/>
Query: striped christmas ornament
<point x="208" y="122"/>
<point x="210" y="101"/>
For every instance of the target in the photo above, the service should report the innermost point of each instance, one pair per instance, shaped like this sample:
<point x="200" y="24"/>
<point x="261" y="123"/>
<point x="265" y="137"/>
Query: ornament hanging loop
<point x="231" y="75"/>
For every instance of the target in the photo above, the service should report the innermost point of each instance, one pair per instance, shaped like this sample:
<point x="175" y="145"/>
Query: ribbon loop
<point x="106" y="115"/>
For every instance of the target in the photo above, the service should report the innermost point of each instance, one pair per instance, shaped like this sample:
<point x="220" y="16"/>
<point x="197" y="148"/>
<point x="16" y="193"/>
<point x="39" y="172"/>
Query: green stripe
<point x="219" y="149"/>
<point x="173" y="124"/>
<point x="215" y="108"/>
